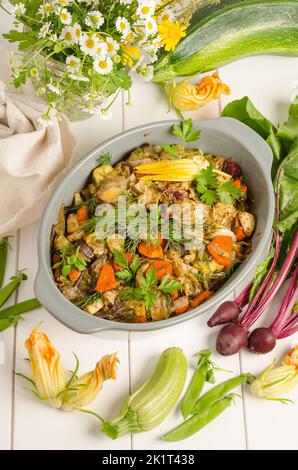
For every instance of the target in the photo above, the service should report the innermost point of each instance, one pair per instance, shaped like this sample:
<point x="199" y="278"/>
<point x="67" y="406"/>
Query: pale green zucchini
<point x="220" y="34"/>
<point x="151" y="404"/>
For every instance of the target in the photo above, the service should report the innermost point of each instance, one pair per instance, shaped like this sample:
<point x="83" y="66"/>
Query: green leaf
<point x="169" y="285"/>
<point x="66" y="270"/>
<point x="209" y="197"/>
<point x="288" y="189"/>
<point x="243" y="110"/>
<point x="135" y="264"/>
<point x="26" y="39"/>
<point x="124" y="275"/>
<point x="261" y="272"/>
<point x="120" y="259"/>
<point x="228" y="192"/>
<point x="185" y="131"/>
<point x="150" y="280"/>
<point x="170" y="149"/>
<point x="288" y="131"/>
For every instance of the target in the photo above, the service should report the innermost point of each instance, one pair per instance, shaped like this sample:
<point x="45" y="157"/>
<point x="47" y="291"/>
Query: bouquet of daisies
<point x="79" y="53"/>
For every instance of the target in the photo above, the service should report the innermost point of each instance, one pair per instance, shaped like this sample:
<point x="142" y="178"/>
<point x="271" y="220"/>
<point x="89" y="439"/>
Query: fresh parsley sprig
<point x="171" y="149"/>
<point x="128" y="271"/>
<point x="147" y="292"/>
<point x="185" y="131"/>
<point x="211" y="191"/>
<point x="69" y="262"/>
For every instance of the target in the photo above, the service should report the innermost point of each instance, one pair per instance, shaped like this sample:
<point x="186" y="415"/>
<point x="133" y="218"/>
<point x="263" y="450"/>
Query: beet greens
<point x="282" y="258"/>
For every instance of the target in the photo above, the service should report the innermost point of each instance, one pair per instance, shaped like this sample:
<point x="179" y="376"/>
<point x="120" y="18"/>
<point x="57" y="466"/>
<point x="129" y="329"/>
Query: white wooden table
<point x="26" y="423"/>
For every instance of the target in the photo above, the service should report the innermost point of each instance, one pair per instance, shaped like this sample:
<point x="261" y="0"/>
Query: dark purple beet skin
<point x="261" y="340"/>
<point x="231" y="168"/>
<point x="230" y="340"/>
<point x="227" y="312"/>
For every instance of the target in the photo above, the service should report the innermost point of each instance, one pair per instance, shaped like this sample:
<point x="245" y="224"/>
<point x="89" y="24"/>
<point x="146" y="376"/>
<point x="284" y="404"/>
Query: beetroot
<point x="231" y="339"/>
<point x="261" y="340"/>
<point x="227" y="312"/>
<point x="232" y="169"/>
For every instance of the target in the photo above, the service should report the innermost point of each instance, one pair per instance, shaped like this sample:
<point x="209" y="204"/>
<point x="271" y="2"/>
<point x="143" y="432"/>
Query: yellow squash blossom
<point x="275" y="381"/>
<point x="186" y="96"/>
<point x="171" y="33"/>
<point x="49" y="375"/>
<point x="82" y="391"/>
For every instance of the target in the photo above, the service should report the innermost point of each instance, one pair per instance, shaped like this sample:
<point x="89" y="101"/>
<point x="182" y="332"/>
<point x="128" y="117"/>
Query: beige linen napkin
<point x="32" y="155"/>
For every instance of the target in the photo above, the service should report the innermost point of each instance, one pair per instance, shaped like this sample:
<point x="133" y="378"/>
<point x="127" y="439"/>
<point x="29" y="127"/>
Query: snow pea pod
<point x="9" y="316"/>
<point x="219" y="391"/>
<point x="199" y="421"/>
<point x="9" y="289"/>
<point x="4" y="244"/>
<point x="203" y="373"/>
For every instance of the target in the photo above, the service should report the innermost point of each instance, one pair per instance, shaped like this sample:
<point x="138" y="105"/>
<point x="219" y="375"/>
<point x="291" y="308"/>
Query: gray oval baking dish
<point x="223" y="136"/>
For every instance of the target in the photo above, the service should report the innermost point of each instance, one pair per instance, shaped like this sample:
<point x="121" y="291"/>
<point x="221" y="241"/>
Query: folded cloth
<point x="32" y="156"/>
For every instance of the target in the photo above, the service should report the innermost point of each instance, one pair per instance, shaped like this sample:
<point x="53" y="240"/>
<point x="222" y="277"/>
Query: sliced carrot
<point x="221" y="250"/>
<point x="74" y="275"/>
<point x="175" y="295"/>
<point x="142" y="319"/>
<point x="240" y="234"/>
<point x="182" y="309"/>
<point x="200" y="298"/>
<point x="238" y="184"/>
<point x="128" y="256"/>
<point x="162" y="268"/>
<point x="106" y="279"/>
<point x="82" y="214"/>
<point x="150" y="250"/>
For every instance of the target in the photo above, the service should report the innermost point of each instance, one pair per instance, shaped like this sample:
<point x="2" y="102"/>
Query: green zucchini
<point x="151" y="404"/>
<point x="220" y="34"/>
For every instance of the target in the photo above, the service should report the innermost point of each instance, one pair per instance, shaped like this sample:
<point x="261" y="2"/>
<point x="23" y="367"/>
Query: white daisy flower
<point x="77" y="31"/>
<point x="54" y="89"/>
<point x="122" y="26"/>
<point x="94" y="18"/>
<point x="89" y="44"/>
<point x="93" y="96"/>
<point x="65" y="16"/>
<point x="103" y="65"/>
<point x="79" y="78"/>
<point x="147" y="72"/>
<point x="102" y="49"/>
<point x="44" y="30"/>
<point x="146" y="8"/>
<point x="73" y="63"/>
<point x="112" y="47"/>
<point x="46" y="9"/>
<point x="47" y="119"/>
<point x="68" y="35"/>
<point x="18" y="9"/>
<point x="150" y="26"/>
<point x="105" y="115"/>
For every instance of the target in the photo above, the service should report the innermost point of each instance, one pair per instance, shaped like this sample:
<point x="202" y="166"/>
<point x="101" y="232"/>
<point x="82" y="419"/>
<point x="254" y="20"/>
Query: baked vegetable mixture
<point x="144" y="279"/>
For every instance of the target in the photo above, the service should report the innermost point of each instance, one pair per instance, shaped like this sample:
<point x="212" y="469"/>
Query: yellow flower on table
<point x="131" y="54"/>
<point x="83" y="390"/>
<point x="49" y="375"/>
<point x="171" y="33"/>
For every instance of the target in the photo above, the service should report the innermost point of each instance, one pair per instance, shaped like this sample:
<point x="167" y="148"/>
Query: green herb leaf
<point x="169" y="285"/>
<point x="66" y="270"/>
<point x="185" y="131"/>
<point x="228" y="192"/>
<point x="170" y="149"/>
<point x="120" y="259"/>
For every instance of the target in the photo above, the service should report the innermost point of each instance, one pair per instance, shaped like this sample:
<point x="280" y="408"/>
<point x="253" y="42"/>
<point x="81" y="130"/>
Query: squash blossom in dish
<point x="83" y="390"/>
<point x="49" y="375"/>
<point x="186" y="96"/>
<point x="275" y="381"/>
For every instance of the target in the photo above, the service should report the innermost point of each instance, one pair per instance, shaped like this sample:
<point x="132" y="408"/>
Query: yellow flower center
<point x="103" y="64"/>
<point x="145" y="10"/>
<point x="94" y="19"/>
<point x="48" y="8"/>
<point x="63" y="16"/>
<point x="73" y="63"/>
<point x="68" y="36"/>
<point x="150" y="25"/>
<point x="122" y="26"/>
<point x="110" y="47"/>
<point x="90" y="43"/>
<point x="78" y="32"/>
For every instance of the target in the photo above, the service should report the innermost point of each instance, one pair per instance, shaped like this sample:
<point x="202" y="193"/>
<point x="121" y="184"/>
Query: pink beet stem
<point x="242" y="298"/>
<point x="251" y="315"/>
<point x="288" y="302"/>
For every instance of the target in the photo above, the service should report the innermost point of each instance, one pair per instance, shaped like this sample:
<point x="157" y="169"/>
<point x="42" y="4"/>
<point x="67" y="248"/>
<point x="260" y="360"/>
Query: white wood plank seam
<point x="17" y="248"/>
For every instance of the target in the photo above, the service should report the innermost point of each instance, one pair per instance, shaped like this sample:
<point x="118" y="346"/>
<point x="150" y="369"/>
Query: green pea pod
<point x="9" y="289"/>
<point x="4" y="244"/>
<point x="219" y="391"/>
<point x="9" y="316"/>
<point x="201" y="375"/>
<point x="199" y="421"/>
